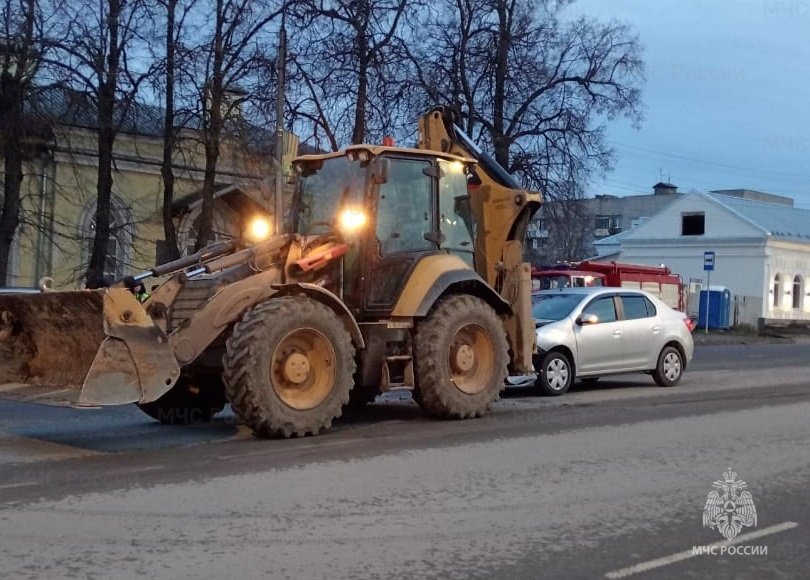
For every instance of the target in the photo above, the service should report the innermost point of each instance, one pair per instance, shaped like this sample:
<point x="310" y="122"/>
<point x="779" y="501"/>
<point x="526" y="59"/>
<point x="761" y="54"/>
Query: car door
<point x="642" y="331"/>
<point x="599" y="344"/>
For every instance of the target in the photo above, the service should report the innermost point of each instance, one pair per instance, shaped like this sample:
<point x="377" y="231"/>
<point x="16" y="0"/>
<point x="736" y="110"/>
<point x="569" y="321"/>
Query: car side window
<point x="651" y="310"/>
<point x="636" y="307"/>
<point x="604" y="308"/>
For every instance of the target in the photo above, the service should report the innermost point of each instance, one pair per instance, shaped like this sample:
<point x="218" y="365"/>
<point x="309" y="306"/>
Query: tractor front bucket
<point x="82" y="348"/>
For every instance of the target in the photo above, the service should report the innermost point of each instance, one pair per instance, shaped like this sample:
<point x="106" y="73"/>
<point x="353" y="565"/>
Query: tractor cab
<point x="393" y="206"/>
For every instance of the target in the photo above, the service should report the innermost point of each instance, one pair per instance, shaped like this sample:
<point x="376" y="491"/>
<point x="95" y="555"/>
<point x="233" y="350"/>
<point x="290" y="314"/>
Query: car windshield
<point x="323" y="189"/>
<point x="554" y="306"/>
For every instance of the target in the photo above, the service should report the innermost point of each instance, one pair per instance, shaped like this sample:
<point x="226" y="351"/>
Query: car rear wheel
<point x="555" y="374"/>
<point x="669" y="370"/>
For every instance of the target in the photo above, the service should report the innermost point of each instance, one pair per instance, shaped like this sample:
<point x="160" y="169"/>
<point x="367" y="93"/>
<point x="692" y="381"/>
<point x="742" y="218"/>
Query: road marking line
<point x="687" y="554"/>
<point x="20" y="484"/>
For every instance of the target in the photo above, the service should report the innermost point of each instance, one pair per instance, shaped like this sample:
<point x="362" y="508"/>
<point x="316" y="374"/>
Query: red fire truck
<point x="657" y="280"/>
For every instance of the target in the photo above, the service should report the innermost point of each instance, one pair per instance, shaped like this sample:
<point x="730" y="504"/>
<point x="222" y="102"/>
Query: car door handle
<point x="617" y="333"/>
<point x="656" y="329"/>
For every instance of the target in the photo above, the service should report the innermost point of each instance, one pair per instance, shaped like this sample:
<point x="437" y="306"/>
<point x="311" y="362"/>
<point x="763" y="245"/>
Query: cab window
<point x="455" y="216"/>
<point x="404" y="208"/>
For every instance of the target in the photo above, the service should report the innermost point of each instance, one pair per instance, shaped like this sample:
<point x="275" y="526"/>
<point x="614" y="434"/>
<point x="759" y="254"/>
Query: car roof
<point x="593" y="291"/>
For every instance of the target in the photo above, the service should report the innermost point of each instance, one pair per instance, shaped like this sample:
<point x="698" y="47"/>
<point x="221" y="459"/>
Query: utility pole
<point x="281" y="73"/>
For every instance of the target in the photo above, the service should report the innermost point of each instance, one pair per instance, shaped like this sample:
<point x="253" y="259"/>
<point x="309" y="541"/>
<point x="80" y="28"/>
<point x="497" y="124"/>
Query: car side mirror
<point x="586" y="319"/>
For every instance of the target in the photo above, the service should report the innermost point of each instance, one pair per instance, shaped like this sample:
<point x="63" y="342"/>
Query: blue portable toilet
<point x="719" y="299"/>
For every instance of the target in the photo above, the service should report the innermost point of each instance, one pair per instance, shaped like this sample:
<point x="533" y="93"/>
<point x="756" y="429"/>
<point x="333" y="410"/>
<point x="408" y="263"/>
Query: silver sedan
<point x="587" y="333"/>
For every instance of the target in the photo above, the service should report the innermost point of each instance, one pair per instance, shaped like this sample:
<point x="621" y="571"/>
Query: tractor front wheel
<point x="288" y="367"/>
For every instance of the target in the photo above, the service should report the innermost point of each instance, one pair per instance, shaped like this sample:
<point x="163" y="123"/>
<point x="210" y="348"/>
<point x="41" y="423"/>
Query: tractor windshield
<point x="324" y="190"/>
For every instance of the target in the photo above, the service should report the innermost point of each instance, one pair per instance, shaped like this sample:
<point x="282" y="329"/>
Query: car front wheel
<point x="555" y="374"/>
<point x="670" y="367"/>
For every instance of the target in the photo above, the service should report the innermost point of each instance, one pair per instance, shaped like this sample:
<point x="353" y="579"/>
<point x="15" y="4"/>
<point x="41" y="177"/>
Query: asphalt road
<point x="608" y="481"/>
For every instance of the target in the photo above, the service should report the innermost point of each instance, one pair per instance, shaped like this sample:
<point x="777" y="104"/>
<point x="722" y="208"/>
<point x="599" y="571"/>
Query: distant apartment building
<point x="567" y="231"/>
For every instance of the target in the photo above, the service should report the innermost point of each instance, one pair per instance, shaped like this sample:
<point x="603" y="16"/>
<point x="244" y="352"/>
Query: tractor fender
<point x="438" y="275"/>
<point x="330" y="299"/>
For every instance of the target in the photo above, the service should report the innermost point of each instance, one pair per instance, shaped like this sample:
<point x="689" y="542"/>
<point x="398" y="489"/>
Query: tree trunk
<point x="359" y="133"/>
<point x="10" y="219"/>
<point x="212" y="132"/>
<point x="500" y="143"/>
<point x="13" y="91"/>
<point x="106" y="142"/>
<point x="167" y="169"/>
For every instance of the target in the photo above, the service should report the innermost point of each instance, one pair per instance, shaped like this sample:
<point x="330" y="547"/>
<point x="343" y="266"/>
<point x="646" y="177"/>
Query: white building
<point x="762" y="252"/>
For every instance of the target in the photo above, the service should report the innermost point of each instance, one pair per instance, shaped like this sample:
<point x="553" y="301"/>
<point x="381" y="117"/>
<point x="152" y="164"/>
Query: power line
<point x="710" y="163"/>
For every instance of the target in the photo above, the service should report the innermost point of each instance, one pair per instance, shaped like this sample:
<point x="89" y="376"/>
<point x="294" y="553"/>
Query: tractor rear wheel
<point x="191" y="400"/>
<point x="288" y="367"/>
<point x="461" y="358"/>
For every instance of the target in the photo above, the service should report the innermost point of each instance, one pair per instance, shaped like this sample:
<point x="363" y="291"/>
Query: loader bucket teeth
<point x="86" y="347"/>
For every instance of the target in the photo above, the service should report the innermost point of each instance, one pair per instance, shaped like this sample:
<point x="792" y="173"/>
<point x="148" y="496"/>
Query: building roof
<point x="65" y="106"/>
<point x="778" y="221"/>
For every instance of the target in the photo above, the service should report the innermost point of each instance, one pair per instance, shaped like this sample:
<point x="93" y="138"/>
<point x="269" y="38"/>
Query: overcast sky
<point x="727" y="97"/>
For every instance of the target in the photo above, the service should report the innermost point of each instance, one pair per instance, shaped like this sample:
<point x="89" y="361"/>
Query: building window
<point x="12" y="273"/>
<point x="693" y="224"/>
<point x="606" y="222"/>
<point x="119" y="243"/>
<point x="798" y="293"/>
<point x="777" y="292"/>
<point x="606" y="225"/>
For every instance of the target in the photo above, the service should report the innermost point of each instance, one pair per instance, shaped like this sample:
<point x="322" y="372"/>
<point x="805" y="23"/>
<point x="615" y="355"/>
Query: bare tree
<point x="534" y="85"/>
<point x="232" y="59"/>
<point x="95" y="61"/>
<point x="21" y="49"/>
<point x="344" y="61"/>
<point x="568" y="232"/>
<point x="176" y="55"/>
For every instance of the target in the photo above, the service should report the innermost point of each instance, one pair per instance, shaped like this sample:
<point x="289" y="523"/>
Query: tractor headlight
<point x="351" y="220"/>
<point x="258" y="229"/>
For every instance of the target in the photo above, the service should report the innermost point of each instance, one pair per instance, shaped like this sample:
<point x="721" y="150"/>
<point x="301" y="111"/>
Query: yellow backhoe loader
<point x="398" y="268"/>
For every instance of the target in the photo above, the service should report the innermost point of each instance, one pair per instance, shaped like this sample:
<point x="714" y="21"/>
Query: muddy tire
<point x="461" y="358"/>
<point x="669" y="370"/>
<point x="190" y="401"/>
<point x="288" y="367"/>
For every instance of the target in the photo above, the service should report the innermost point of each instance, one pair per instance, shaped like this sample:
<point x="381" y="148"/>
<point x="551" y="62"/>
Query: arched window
<point x="777" y="292"/>
<point x="226" y="226"/>
<point x="798" y="292"/>
<point x="119" y="245"/>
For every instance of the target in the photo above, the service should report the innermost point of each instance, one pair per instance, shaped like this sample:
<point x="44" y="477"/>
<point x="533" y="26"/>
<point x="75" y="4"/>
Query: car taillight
<point x="690" y="324"/>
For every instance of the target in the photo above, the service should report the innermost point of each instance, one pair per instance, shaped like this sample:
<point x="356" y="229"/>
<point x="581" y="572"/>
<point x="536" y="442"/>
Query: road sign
<point x="708" y="261"/>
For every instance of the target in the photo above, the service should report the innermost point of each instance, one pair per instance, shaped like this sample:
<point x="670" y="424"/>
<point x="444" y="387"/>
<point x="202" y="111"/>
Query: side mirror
<point x="586" y="319"/>
<point x="379" y="168"/>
